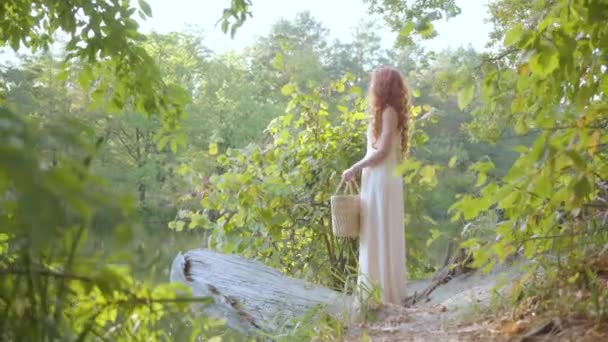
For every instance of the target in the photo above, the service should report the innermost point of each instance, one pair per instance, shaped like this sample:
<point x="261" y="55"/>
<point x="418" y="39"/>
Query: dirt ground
<point x="418" y="324"/>
<point x="459" y="311"/>
<point x="441" y="318"/>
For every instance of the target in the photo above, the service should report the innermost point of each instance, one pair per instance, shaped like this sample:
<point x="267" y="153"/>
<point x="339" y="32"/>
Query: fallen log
<point x="248" y="295"/>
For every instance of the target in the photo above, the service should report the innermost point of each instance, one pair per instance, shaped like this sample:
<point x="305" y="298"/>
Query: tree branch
<point x="497" y="57"/>
<point x="126" y="145"/>
<point x="45" y="273"/>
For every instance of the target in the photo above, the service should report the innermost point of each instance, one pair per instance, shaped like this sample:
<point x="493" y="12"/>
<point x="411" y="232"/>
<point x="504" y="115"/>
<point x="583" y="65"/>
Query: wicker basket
<point x="345" y="211"/>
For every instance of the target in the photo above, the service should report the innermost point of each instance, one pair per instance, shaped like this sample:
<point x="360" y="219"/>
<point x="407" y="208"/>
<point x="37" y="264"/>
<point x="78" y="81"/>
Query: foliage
<point x="438" y="140"/>
<point x="416" y="17"/>
<point x="235" y="15"/>
<point x="270" y="202"/>
<point x="293" y="51"/>
<point x="317" y="324"/>
<point x="103" y="35"/>
<point x="231" y="107"/>
<point x="524" y="174"/>
<point x="56" y="282"/>
<point x="557" y="88"/>
<point x="546" y="89"/>
<point x="360" y="56"/>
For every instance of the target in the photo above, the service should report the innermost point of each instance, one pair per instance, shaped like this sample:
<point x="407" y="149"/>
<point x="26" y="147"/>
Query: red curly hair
<point x="388" y="89"/>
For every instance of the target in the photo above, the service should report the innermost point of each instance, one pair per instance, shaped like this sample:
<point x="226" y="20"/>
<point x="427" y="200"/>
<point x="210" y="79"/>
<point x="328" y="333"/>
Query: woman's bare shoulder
<point x="389" y="115"/>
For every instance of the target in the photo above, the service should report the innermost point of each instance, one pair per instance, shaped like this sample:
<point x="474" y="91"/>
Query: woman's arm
<point x="384" y="145"/>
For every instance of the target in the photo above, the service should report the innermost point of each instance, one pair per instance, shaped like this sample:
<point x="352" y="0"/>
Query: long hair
<point x="388" y="89"/>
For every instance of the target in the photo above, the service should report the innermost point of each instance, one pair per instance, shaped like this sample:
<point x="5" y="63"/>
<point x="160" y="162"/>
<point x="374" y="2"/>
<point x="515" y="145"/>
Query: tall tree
<point x="360" y="56"/>
<point x="53" y="284"/>
<point x="297" y="48"/>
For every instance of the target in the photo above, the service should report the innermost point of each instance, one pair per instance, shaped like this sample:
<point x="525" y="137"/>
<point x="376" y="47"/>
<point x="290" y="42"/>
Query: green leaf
<point x="521" y="126"/>
<point x="181" y="139"/>
<point x="543" y="187"/>
<point x="452" y="162"/>
<point x="3" y="243"/>
<point x="213" y="149"/>
<point x="178" y="94"/>
<point x="470" y="243"/>
<point x="465" y="96"/>
<point x="179" y="226"/>
<point x="514" y="35"/>
<point x="481" y="179"/>
<point x="544" y="62"/>
<point x="407" y="29"/>
<point x="582" y="188"/>
<point x="85" y="77"/>
<point x="482" y="166"/>
<point x="503" y="250"/>
<point x="435" y="234"/>
<point x="277" y="62"/>
<point x="14" y="41"/>
<point x="162" y="142"/>
<point x="183" y="169"/>
<point x="520" y="149"/>
<point x="416" y="110"/>
<point x="425" y="28"/>
<point x="572" y="279"/>
<point x="288" y="89"/>
<point x="145" y="7"/>
<point x="580" y="163"/>
<point x="428" y="175"/>
<point x="339" y="87"/>
<point x="233" y="30"/>
<point x="63" y="75"/>
<point x="594" y="142"/>
<point x="507" y="201"/>
<point x="488" y="266"/>
<point x="355" y="90"/>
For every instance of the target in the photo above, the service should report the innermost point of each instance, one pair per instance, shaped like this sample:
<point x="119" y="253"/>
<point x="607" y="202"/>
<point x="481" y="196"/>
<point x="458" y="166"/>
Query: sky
<point x="339" y="16"/>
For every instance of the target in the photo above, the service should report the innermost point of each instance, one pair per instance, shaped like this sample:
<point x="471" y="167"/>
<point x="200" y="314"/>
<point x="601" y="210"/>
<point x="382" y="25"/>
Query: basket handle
<point x="349" y="187"/>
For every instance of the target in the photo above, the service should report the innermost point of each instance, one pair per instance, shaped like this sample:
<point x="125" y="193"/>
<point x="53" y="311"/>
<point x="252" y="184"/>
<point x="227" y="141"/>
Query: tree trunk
<point x="141" y="189"/>
<point x="249" y="295"/>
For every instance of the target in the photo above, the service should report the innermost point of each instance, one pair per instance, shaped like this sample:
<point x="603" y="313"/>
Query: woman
<point x="382" y="236"/>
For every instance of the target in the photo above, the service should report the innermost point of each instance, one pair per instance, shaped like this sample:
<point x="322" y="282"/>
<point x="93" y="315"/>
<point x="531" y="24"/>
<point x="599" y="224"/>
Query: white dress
<point x="382" y="236"/>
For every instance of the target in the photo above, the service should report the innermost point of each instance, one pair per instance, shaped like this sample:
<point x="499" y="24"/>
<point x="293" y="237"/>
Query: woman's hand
<point x="349" y="174"/>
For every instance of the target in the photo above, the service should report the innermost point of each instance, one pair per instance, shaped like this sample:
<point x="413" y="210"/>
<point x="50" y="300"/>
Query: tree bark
<point x="249" y="295"/>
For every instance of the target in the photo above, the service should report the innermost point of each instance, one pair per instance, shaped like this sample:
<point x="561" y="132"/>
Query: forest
<point x="119" y="149"/>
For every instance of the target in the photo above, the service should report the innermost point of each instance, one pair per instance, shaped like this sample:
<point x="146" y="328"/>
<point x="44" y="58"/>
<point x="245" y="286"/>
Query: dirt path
<point x="442" y="317"/>
<point x="459" y="311"/>
<point x="418" y="324"/>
